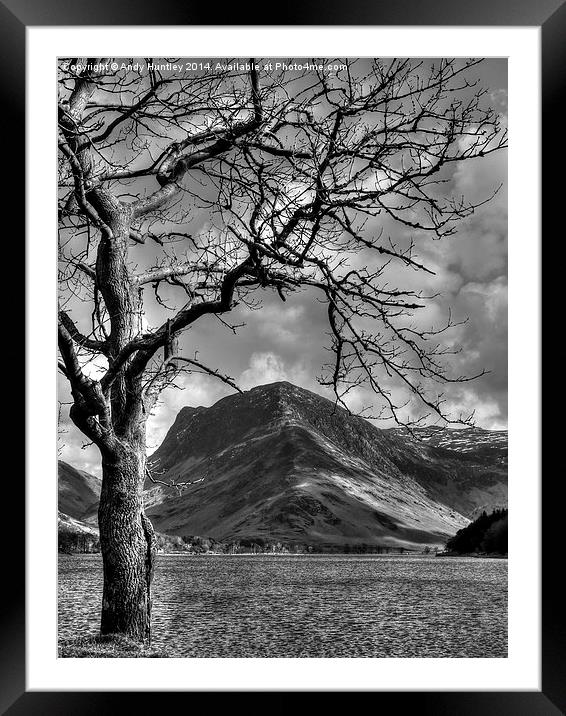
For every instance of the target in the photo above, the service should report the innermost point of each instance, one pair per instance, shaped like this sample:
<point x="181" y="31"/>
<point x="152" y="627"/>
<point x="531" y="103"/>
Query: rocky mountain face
<point x="280" y="462"/>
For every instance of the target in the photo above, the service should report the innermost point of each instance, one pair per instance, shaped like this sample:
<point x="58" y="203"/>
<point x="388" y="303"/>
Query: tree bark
<point x="128" y="546"/>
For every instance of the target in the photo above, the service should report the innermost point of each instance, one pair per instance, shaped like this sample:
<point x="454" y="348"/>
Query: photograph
<point x="282" y="370"/>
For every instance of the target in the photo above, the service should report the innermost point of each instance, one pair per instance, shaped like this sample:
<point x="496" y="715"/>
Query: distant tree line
<point x="195" y="544"/>
<point x="84" y="543"/>
<point x="488" y="533"/>
<point x="365" y="548"/>
<point x="258" y="545"/>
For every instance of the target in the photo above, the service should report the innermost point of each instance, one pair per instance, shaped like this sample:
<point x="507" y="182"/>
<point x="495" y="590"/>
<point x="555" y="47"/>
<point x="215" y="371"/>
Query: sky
<point x="285" y="341"/>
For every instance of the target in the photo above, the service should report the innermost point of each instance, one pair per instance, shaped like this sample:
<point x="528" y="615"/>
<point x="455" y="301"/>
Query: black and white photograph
<point x="283" y="357"/>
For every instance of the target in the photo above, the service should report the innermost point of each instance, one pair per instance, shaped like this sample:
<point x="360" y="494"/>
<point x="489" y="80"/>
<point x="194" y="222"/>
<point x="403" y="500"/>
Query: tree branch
<point x="84" y="342"/>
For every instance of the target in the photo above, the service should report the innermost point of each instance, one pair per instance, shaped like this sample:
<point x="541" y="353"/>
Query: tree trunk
<point x="128" y="547"/>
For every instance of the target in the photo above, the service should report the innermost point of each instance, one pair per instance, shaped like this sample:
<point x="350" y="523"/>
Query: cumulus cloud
<point x="486" y="410"/>
<point x="270" y="368"/>
<point x="281" y="324"/>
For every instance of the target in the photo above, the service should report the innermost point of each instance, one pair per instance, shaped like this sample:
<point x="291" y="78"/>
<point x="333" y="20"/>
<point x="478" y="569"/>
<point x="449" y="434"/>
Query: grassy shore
<point x="108" y="646"/>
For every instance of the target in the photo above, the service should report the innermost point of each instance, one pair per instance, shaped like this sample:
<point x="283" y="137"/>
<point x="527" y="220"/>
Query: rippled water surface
<point x="308" y="606"/>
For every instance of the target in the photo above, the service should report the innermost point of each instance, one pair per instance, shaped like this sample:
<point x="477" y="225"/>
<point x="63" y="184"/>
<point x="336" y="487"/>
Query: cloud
<point x="281" y="324"/>
<point x="486" y="411"/>
<point x="270" y="368"/>
<point x="479" y="250"/>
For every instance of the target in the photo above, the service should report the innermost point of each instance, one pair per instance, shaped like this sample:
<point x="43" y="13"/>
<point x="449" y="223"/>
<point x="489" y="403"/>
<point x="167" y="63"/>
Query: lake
<point x="308" y="605"/>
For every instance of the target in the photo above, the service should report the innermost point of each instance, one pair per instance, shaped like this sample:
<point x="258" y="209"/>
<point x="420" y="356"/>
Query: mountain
<point x="79" y="491"/>
<point x="282" y="463"/>
<point x="484" y="450"/>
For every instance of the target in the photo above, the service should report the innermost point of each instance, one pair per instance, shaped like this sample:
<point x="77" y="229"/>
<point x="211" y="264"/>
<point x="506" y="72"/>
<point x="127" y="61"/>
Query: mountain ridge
<point x="325" y="464"/>
<point x="280" y="463"/>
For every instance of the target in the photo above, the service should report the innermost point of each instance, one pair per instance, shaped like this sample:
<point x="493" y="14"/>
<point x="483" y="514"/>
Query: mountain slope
<point x="79" y="491"/>
<point x="477" y="457"/>
<point x="280" y="462"/>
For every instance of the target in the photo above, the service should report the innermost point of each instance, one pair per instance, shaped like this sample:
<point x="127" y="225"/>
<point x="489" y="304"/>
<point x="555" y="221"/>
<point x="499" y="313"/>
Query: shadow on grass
<point x="115" y="646"/>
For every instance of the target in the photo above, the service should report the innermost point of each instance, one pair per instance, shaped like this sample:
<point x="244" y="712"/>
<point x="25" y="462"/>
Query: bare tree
<point x="294" y="168"/>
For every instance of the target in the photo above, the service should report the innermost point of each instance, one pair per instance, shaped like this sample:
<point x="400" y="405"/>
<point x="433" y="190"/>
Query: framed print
<point x="264" y="270"/>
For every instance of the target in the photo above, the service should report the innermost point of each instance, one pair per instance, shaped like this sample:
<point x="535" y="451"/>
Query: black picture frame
<point x="15" y="16"/>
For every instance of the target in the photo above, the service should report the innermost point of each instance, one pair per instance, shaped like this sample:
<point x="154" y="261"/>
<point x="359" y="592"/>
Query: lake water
<point x="308" y="605"/>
